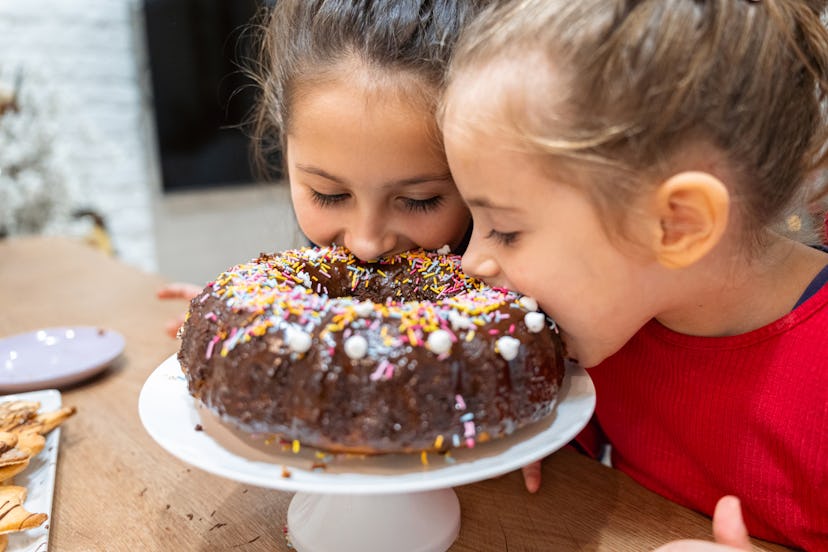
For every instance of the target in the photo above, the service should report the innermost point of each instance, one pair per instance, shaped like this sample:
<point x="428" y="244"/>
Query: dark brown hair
<point x="638" y="80"/>
<point x="306" y="41"/>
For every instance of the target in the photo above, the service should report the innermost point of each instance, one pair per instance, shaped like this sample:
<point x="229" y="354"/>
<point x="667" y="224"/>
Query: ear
<point x="692" y="210"/>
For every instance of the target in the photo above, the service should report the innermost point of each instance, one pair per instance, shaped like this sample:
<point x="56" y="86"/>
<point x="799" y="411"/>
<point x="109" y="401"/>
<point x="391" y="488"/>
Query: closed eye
<point x="503" y="238"/>
<point x="422" y="205"/>
<point x="327" y="200"/>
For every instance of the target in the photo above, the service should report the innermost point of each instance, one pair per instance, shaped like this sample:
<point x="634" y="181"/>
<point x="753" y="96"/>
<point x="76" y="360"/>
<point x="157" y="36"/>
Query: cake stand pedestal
<point x="427" y="521"/>
<point x="355" y="504"/>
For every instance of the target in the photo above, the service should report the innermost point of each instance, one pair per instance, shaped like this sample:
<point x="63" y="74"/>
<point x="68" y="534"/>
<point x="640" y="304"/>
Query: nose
<point x="479" y="263"/>
<point x="370" y="236"/>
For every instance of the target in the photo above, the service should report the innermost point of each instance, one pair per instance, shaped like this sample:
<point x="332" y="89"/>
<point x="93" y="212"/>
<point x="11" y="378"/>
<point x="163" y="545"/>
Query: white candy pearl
<point x="439" y="342"/>
<point x="364" y="309"/>
<point x="459" y="321"/>
<point x="508" y="347"/>
<point x="535" y="321"/>
<point x="445" y="250"/>
<point x="299" y="341"/>
<point x="356" y="347"/>
<point x="305" y="277"/>
<point x="528" y="303"/>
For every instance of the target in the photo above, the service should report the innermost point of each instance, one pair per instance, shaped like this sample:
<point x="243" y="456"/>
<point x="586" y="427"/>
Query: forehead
<point x="508" y="97"/>
<point x="352" y="79"/>
<point x="475" y="100"/>
<point x="349" y="113"/>
<point x="362" y="133"/>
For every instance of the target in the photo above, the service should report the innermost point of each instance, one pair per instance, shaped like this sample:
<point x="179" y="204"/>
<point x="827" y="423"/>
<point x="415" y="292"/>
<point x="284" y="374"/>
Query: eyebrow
<point x="419" y="179"/>
<point x="484" y="203"/>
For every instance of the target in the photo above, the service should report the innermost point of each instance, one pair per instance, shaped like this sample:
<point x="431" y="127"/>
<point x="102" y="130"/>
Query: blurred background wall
<point x="79" y="66"/>
<point x="126" y="112"/>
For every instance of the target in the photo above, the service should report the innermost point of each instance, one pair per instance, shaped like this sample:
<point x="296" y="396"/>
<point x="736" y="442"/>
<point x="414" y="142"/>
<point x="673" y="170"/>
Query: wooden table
<point x="116" y="489"/>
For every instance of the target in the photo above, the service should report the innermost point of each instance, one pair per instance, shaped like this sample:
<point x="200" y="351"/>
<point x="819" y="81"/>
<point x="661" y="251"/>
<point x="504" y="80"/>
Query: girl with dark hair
<point x="347" y="96"/>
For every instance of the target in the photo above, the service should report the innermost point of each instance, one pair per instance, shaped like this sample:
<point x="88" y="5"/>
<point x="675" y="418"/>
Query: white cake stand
<point x="356" y="503"/>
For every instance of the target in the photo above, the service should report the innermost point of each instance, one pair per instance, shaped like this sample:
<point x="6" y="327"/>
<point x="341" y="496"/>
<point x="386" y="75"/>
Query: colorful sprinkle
<point x="459" y="403"/>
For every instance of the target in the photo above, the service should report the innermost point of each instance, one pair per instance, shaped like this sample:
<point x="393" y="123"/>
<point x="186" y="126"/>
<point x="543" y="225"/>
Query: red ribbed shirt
<point x="696" y="418"/>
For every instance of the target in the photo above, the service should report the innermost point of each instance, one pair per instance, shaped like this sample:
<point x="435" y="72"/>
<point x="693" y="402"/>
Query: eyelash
<point x="422" y="205"/>
<point x="327" y="200"/>
<point x="411" y="205"/>
<point x="503" y="238"/>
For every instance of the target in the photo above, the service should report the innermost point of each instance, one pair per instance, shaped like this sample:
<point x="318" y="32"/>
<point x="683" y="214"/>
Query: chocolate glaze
<point x="324" y="399"/>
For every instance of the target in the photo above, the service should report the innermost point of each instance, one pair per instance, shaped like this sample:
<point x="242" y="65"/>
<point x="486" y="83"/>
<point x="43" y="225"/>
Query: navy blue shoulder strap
<point x="817" y="283"/>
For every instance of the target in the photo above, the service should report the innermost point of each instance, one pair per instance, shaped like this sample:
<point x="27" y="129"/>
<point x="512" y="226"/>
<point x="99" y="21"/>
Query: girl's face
<point x="545" y="239"/>
<point x="366" y="171"/>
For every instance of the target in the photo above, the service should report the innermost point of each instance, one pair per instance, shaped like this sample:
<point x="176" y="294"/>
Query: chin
<point x="588" y="360"/>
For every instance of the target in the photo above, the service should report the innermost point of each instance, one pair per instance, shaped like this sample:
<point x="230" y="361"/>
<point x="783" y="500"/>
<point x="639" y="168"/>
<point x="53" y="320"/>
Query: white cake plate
<point x="354" y="503"/>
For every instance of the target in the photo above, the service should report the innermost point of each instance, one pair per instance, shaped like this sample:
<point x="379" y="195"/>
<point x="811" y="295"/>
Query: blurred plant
<point x="34" y="184"/>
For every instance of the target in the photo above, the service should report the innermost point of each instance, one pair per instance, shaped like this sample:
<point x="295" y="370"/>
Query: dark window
<point x="200" y="94"/>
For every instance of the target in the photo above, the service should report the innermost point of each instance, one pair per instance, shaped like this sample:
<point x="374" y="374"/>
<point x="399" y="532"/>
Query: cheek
<point x="317" y="226"/>
<point x="446" y="226"/>
<point x="536" y="276"/>
<point x="528" y="283"/>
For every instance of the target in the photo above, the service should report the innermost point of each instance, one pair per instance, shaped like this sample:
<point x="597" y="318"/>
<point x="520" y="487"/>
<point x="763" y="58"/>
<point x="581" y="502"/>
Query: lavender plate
<point x="55" y="357"/>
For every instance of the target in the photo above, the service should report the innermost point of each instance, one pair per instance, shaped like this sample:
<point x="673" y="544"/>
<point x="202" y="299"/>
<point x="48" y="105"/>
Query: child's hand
<point x="729" y="531"/>
<point x="532" y="476"/>
<point x="177" y="291"/>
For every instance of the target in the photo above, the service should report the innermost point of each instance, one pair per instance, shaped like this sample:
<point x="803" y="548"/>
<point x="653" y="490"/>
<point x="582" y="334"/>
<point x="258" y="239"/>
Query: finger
<point x="172" y="327"/>
<point x="178" y="290"/>
<point x="728" y="525"/>
<point x="532" y="476"/>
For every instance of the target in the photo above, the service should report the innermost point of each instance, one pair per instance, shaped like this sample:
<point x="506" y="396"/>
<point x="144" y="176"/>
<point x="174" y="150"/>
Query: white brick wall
<point x="91" y="53"/>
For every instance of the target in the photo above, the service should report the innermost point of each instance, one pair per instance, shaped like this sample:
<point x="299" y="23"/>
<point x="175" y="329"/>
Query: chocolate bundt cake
<point x="405" y="354"/>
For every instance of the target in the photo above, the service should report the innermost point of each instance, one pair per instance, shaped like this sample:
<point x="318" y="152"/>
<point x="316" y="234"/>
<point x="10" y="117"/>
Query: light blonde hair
<point x="638" y="81"/>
